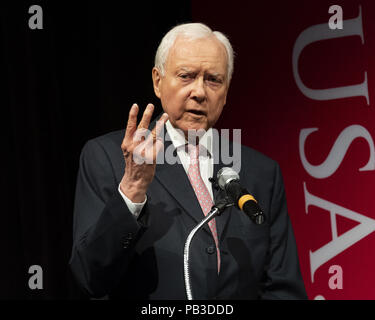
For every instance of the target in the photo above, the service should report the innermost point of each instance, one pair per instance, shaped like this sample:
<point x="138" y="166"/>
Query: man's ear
<point x="156" y="80"/>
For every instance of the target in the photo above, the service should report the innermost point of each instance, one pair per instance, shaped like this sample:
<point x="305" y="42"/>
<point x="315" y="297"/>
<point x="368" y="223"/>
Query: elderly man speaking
<point x="132" y="218"/>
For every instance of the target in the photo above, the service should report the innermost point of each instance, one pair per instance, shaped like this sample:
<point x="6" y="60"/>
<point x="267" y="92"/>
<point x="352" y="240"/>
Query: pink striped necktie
<point x="202" y="193"/>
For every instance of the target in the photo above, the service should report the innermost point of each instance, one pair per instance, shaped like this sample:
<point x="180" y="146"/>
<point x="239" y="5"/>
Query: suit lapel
<point x="175" y="180"/>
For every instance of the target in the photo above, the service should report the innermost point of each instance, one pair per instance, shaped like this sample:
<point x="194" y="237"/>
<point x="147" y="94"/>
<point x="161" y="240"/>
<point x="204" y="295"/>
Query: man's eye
<point x="185" y="76"/>
<point x="214" y="80"/>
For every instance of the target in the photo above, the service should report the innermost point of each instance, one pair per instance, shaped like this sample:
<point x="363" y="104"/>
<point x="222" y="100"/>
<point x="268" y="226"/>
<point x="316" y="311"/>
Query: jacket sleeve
<point x="282" y="278"/>
<point x="104" y="230"/>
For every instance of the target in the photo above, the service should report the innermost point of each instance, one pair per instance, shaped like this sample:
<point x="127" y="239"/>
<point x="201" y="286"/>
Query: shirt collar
<point x="178" y="138"/>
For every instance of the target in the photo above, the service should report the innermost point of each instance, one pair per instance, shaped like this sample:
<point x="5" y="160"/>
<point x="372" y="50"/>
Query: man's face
<point x="194" y="88"/>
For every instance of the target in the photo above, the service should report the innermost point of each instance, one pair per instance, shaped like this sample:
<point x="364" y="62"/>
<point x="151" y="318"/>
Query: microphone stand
<point x="216" y="210"/>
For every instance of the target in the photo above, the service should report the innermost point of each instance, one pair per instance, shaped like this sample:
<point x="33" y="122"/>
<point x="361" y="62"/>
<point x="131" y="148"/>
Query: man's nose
<point x="198" y="91"/>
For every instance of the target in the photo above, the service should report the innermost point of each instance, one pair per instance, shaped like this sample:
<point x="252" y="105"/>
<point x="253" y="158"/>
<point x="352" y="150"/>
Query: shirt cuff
<point x="134" y="208"/>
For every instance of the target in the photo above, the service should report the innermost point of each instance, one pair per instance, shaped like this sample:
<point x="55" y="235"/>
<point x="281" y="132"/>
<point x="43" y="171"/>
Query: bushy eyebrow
<point x="216" y="74"/>
<point x="189" y="70"/>
<point x="185" y="69"/>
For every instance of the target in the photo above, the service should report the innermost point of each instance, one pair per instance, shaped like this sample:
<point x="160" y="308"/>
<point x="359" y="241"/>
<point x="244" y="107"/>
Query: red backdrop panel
<point x="272" y="111"/>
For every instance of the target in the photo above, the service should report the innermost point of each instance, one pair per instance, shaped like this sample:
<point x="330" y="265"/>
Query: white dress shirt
<point x="179" y="142"/>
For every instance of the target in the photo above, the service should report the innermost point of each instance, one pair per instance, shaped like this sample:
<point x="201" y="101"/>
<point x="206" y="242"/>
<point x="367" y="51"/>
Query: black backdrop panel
<point x="71" y="81"/>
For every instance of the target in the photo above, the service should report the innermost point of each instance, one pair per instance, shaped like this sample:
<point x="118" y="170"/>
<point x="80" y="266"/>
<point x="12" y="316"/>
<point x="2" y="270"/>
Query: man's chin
<point x="194" y="127"/>
<point x="191" y="128"/>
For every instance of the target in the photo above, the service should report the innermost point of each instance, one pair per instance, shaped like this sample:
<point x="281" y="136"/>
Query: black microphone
<point x="229" y="181"/>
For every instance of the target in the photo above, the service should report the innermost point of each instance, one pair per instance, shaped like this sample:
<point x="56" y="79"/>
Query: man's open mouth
<point x="197" y="112"/>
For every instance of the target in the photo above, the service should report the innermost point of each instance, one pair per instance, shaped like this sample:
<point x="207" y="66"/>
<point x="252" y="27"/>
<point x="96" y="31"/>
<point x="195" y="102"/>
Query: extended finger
<point x="132" y="122"/>
<point x="146" y="118"/>
<point x="155" y="140"/>
<point x="160" y="124"/>
<point x="155" y="133"/>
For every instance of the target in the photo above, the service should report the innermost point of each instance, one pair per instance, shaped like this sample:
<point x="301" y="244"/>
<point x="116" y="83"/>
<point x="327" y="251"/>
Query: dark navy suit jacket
<point x="121" y="256"/>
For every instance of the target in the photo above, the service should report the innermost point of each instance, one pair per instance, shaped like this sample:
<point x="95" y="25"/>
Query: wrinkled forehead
<point x="208" y="50"/>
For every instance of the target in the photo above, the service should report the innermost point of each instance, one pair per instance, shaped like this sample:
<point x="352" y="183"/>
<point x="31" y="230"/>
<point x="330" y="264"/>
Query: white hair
<point x="191" y="31"/>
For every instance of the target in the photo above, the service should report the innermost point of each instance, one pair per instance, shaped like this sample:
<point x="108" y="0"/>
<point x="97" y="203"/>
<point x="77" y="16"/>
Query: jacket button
<point x="125" y="244"/>
<point x="210" y="250"/>
<point x="129" y="236"/>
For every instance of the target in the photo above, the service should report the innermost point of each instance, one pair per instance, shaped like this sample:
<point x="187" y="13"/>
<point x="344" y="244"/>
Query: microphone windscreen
<point x="225" y="175"/>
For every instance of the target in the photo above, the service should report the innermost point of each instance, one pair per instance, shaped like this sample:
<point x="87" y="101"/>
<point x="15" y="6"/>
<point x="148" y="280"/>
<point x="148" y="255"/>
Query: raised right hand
<point x="139" y="174"/>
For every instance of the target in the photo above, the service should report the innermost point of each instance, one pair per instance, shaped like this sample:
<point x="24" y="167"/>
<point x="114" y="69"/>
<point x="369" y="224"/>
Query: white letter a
<point x="335" y="22"/>
<point x="344" y="241"/>
<point x="36" y="20"/>
<point x="36" y="280"/>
